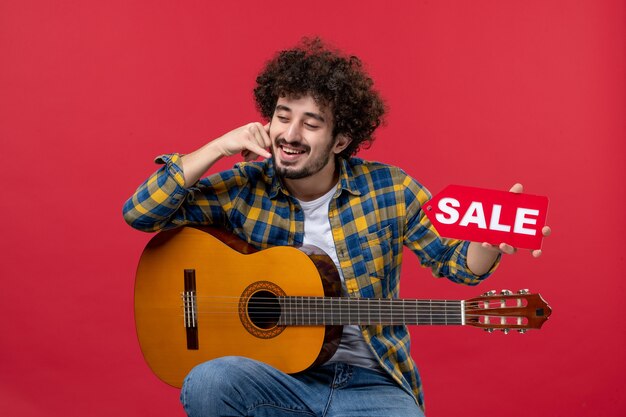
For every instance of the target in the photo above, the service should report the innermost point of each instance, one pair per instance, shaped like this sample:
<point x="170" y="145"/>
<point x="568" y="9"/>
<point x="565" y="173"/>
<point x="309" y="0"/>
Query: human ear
<point x="341" y="143"/>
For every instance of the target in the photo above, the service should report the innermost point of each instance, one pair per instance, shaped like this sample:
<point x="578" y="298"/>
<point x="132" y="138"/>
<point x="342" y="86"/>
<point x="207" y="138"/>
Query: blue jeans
<point x="236" y="386"/>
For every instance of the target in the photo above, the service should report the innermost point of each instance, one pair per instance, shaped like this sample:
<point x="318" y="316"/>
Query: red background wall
<point x="482" y="93"/>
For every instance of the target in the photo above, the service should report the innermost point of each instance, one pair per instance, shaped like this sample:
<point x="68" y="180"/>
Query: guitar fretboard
<point x="304" y="311"/>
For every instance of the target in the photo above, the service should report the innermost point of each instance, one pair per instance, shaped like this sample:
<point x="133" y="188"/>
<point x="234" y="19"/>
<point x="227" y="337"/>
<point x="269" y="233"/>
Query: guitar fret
<point x="330" y="311"/>
<point x="339" y="305"/>
<point x="294" y="305"/>
<point x="430" y="312"/>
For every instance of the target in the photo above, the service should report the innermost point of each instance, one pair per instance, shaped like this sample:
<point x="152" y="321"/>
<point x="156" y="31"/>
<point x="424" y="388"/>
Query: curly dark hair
<point x="333" y="80"/>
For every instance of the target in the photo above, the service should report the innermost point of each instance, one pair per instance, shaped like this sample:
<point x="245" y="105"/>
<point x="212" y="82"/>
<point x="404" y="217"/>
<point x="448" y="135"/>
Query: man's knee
<point x="211" y="384"/>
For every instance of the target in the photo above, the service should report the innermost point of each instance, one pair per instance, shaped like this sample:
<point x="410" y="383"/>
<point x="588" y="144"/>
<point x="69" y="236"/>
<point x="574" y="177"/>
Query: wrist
<point x="195" y="164"/>
<point x="481" y="259"/>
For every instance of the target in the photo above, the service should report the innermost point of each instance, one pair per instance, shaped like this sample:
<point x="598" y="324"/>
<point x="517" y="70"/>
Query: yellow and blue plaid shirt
<point x="375" y="211"/>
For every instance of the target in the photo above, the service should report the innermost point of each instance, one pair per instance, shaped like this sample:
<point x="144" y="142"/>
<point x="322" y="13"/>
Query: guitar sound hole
<point x="264" y="309"/>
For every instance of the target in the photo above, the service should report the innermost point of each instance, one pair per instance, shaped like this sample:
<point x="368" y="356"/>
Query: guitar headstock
<point x="507" y="311"/>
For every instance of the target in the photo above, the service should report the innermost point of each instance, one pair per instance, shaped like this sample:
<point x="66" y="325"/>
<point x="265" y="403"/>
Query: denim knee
<point x="209" y="384"/>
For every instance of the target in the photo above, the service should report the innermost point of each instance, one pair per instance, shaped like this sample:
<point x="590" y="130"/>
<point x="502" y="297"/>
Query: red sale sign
<point x="481" y="215"/>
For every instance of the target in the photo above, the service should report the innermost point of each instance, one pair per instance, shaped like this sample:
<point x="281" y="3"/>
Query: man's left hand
<point x="508" y="249"/>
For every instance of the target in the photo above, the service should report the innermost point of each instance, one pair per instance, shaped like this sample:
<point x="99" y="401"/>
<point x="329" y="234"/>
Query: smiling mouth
<point x="292" y="151"/>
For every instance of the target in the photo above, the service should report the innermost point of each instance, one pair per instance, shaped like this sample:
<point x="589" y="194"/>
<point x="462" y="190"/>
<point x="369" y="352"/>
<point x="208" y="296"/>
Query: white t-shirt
<point x="353" y="349"/>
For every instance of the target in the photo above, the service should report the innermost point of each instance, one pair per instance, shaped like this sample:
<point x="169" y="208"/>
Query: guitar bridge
<point x="190" y="309"/>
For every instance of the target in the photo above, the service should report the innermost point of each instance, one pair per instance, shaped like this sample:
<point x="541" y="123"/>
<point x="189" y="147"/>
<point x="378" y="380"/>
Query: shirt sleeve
<point x="162" y="201"/>
<point x="446" y="257"/>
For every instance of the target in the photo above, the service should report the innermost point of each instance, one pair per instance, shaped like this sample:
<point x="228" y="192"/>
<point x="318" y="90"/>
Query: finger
<point x="258" y="150"/>
<point x="546" y="231"/>
<point x="503" y="247"/>
<point x="265" y="133"/>
<point x="536" y="253"/>
<point x="257" y="137"/>
<point x="489" y="246"/>
<point x="508" y="249"/>
<point x="517" y="188"/>
<point x="261" y="144"/>
<point x="254" y="135"/>
<point x="255" y="141"/>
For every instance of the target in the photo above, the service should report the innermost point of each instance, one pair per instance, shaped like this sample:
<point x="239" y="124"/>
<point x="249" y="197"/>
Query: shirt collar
<point x="346" y="178"/>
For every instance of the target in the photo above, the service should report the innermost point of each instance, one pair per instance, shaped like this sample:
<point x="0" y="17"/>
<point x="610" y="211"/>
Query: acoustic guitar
<point x="201" y="293"/>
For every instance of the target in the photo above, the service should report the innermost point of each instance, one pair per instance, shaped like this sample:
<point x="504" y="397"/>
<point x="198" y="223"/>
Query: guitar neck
<point x="304" y="311"/>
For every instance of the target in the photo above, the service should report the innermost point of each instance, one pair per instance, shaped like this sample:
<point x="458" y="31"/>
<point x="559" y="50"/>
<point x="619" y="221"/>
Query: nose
<point x="293" y="132"/>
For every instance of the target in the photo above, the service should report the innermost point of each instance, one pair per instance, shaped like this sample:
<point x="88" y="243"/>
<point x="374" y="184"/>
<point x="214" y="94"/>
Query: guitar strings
<point x="350" y="305"/>
<point x="295" y="303"/>
<point x="376" y="319"/>
<point x="383" y="313"/>
<point x="338" y="300"/>
<point x="382" y="319"/>
<point x="307" y="299"/>
<point x="298" y="310"/>
<point x="318" y="313"/>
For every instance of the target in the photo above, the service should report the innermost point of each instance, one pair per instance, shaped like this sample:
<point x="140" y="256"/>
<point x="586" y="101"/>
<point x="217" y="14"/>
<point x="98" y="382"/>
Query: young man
<point x="321" y="108"/>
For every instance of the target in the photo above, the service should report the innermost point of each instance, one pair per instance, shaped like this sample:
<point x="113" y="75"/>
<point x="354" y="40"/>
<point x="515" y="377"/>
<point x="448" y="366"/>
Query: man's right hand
<point x="251" y="141"/>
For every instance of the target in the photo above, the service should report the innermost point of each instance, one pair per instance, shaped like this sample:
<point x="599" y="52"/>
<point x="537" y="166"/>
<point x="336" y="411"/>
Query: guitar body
<point x="226" y="274"/>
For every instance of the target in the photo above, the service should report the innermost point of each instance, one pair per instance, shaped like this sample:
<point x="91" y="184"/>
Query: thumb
<point x="517" y="188"/>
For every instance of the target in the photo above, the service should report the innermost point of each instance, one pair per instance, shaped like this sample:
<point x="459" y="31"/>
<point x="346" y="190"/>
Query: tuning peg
<point x="506" y="292"/>
<point x="489" y="330"/>
<point x="521" y="331"/>
<point x="524" y="291"/>
<point x="505" y="331"/>
<point x="489" y="293"/>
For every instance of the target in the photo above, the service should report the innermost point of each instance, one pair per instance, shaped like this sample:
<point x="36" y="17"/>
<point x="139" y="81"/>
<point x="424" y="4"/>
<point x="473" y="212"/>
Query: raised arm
<point x="251" y="140"/>
<point x="446" y="257"/>
<point x="172" y="196"/>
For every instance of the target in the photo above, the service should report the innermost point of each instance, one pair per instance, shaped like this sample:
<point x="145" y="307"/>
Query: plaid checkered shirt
<point x="375" y="211"/>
